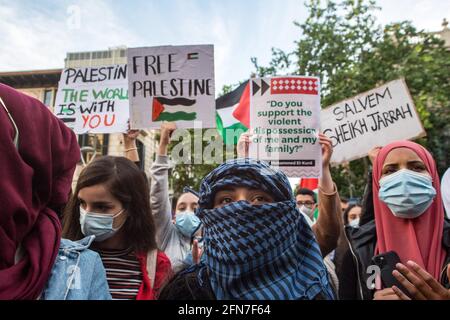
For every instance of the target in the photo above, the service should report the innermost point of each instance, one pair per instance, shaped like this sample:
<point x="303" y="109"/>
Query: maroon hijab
<point x="33" y="178"/>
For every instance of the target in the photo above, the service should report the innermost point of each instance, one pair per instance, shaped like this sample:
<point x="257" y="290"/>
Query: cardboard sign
<point x="284" y="121"/>
<point x="94" y="99"/>
<point x="374" y="118"/>
<point x="172" y="83"/>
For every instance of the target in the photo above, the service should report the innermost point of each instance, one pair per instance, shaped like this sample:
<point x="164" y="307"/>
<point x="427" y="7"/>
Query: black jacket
<point x="353" y="275"/>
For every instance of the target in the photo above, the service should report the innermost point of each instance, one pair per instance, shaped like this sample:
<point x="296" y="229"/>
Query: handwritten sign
<point x="377" y="117"/>
<point x="172" y="83"/>
<point x="94" y="99"/>
<point x="284" y="121"/>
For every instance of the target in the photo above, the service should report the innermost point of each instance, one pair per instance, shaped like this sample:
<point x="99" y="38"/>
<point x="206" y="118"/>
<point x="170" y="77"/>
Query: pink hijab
<point x="420" y="239"/>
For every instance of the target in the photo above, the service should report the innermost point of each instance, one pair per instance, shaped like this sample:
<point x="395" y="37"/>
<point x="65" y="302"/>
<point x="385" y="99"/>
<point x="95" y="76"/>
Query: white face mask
<point x="97" y="224"/>
<point x="354" y="223"/>
<point x="308" y="211"/>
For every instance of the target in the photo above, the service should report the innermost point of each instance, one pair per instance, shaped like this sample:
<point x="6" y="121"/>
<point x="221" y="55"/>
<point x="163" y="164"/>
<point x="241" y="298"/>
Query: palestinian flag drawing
<point x="176" y="109"/>
<point x="227" y="117"/>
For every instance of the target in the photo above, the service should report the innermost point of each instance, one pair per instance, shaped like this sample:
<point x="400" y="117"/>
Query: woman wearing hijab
<point x="408" y="219"/>
<point x="257" y="245"/>
<point x="38" y="154"/>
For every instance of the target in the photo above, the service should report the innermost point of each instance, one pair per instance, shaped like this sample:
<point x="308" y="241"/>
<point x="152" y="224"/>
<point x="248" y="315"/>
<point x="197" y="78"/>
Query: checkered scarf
<point x="259" y="252"/>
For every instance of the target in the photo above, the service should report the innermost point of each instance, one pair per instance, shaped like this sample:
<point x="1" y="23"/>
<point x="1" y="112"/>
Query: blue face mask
<point x="187" y="223"/>
<point x="407" y="193"/>
<point x="97" y="224"/>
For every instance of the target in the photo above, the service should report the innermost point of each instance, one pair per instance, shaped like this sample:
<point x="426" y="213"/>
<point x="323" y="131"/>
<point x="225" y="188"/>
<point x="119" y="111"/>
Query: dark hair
<point x="347" y="211"/>
<point x="344" y="199"/>
<point x="127" y="184"/>
<point x="306" y="192"/>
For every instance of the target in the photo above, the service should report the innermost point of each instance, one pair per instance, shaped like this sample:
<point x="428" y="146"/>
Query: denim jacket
<point x="78" y="273"/>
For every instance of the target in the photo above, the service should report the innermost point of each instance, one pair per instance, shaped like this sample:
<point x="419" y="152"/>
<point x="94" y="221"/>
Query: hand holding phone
<point x="387" y="262"/>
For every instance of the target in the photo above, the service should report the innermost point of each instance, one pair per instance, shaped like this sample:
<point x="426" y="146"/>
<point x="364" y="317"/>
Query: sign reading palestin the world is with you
<point x="94" y="99"/>
<point x="374" y="118"/>
<point x="172" y="83"/>
<point x="285" y="122"/>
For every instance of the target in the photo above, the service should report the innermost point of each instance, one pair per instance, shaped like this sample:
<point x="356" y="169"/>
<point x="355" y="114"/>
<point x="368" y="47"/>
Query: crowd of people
<point x="244" y="235"/>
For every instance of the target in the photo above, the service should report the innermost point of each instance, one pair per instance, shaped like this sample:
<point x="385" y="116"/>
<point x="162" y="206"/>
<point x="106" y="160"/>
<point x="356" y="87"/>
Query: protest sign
<point x="94" y="99"/>
<point x="374" y="118"/>
<point x="172" y="83"/>
<point x="284" y="121"/>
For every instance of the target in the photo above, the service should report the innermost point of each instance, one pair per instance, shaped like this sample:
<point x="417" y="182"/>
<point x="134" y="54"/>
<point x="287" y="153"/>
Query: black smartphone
<point x="386" y="262"/>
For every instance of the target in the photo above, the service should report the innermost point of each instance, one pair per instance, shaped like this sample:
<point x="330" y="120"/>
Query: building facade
<point x="43" y="85"/>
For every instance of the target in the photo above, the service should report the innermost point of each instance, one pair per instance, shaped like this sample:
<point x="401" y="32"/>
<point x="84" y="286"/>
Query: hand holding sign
<point x="243" y="144"/>
<point x="167" y="128"/>
<point x="327" y="149"/>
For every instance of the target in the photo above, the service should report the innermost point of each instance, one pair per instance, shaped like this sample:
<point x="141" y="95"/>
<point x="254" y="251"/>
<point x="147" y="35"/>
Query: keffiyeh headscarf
<point x="259" y="252"/>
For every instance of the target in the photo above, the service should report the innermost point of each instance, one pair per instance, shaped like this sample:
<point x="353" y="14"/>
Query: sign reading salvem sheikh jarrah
<point x="374" y="118"/>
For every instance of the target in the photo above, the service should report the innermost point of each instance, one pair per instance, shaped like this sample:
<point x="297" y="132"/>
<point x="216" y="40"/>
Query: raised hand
<point x="243" y="145"/>
<point x="167" y="128"/>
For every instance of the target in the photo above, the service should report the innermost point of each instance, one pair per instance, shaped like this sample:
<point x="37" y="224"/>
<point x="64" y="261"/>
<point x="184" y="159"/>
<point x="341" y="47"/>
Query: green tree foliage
<point x="342" y="44"/>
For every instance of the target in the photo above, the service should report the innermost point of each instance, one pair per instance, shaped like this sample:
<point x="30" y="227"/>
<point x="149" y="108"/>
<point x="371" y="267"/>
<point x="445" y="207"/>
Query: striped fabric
<point x="123" y="273"/>
<point x="262" y="252"/>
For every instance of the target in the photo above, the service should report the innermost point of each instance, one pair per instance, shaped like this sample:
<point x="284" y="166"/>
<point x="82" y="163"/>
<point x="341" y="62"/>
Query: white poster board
<point x="172" y="83"/>
<point x="373" y="118"/>
<point x="284" y="122"/>
<point x="94" y="99"/>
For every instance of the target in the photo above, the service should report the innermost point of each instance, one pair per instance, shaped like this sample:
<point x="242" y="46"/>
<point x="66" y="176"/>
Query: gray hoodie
<point x="169" y="239"/>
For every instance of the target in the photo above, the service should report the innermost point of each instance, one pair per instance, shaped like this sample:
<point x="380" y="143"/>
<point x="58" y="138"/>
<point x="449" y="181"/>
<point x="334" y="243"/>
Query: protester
<point x="111" y="202"/>
<point x="257" y="245"/>
<point x="352" y="215"/>
<point x="351" y="219"/>
<point x="306" y="202"/>
<point x="174" y="236"/>
<point x="408" y="219"/>
<point x="328" y="226"/>
<point x="38" y="155"/>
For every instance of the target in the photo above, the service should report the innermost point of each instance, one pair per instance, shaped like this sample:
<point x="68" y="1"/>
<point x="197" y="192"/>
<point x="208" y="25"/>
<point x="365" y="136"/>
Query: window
<point x="48" y="97"/>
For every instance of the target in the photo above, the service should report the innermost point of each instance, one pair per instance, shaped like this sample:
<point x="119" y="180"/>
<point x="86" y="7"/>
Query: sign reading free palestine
<point x="172" y="83"/>
<point x="285" y="124"/>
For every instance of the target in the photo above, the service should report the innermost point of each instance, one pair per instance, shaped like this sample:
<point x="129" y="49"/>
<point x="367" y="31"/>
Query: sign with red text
<point x="374" y="118"/>
<point x="94" y="99"/>
<point x="172" y="83"/>
<point x="285" y="122"/>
